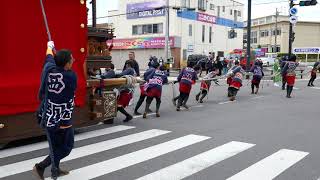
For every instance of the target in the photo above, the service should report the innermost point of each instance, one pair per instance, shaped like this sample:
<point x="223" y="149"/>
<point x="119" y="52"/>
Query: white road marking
<point x="271" y="166"/>
<point x="197" y="163"/>
<point x="315" y="87"/>
<point x="124" y="161"/>
<point x="227" y="102"/>
<point x="197" y="106"/>
<point x="27" y="165"/>
<point x="79" y="137"/>
<point x="257" y="97"/>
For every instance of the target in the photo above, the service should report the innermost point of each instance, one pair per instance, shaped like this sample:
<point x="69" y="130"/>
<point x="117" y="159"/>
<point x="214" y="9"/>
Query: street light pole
<point x="290" y="31"/>
<point x="276" y="31"/>
<point x="248" y="36"/>
<point x="167" y="44"/>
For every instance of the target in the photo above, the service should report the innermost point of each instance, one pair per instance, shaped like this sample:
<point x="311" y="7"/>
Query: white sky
<point x="310" y="13"/>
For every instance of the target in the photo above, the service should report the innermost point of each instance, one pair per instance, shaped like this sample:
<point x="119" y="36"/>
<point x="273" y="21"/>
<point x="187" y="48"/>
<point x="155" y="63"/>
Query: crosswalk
<point x="267" y="168"/>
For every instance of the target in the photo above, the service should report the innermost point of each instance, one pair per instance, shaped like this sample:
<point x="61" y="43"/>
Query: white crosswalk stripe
<point x="27" y="165"/>
<point x="133" y="158"/>
<point x="270" y="167"/>
<point x="41" y="145"/>
<point x="199" y="162"/>
<point x="265" y="169"/>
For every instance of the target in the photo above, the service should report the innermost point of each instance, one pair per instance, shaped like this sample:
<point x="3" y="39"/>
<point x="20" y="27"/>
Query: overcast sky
<point x="311" y="13"/>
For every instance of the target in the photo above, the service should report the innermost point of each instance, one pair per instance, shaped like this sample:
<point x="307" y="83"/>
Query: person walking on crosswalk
<point x="57" y="91"/>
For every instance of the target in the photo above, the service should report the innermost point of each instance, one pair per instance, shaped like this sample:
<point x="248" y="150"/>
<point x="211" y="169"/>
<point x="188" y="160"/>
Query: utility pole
<point x="290" y="31"/>
<point x="167" y="37"/>
<point x="276" y="31"/>
<point x="94" y="13"/>
<point x="249" y="35"/>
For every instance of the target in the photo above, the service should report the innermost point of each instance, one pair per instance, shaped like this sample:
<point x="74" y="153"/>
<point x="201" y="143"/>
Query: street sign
<point x="293" y="11"/>
<point x="293" y="19"/>
<point x="307" y="50"/>
<point x="190" y="47"/>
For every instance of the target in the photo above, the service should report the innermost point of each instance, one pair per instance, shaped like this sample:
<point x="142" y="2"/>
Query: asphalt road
<point x="257" y="137"/>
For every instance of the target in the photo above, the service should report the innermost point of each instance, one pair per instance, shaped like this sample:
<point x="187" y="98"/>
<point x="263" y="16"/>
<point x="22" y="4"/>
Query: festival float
<point x="25" y="37"/>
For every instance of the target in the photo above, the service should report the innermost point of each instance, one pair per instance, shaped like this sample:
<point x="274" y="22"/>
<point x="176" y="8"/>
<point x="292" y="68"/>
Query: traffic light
<point x="232" y="34"/>
<point x="308" y="3"/>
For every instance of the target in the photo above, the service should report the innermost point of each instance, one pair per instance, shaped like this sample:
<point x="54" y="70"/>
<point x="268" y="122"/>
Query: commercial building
<point x="195" y="27"/>
<point x="265" y="35"/>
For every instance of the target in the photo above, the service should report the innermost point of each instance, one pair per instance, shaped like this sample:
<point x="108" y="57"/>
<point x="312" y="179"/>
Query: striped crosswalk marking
<point x="105" y="167"/>
<point x="41" y="145"/>
<point x="271" y="166"/>
<point x="27" y="165"/>
<point x="197" y="163"/>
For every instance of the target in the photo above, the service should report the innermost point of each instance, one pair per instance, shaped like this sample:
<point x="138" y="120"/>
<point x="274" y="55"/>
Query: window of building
<point x="254" y="37"/>
<point x="210" y="34"/>
<point x="134" y="30"/>
<point x="147" y="29"/>
<point x="202" y="5"/>
<point x="269" y="19"/>
<point x="218" y="13"/>
<point x="185" y="3"/>
<point x="211" y="6"/>
<point x="278" y="32"/>
<point x="262" y="21"/>
<point x="190" y="29"/>
<point x="239" y="13"/>
<point x="203" y="32"/>
<point x="255" y="22"/>
<point x="264" y="33"/>
<point x="231" y="11"/>
<point x="223" y="8"/>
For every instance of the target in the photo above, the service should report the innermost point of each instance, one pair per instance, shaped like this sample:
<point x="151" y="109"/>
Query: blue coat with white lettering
<point x="188" y="76"/>
<point x="155" y="78"/>
<point x="57" y="93"/>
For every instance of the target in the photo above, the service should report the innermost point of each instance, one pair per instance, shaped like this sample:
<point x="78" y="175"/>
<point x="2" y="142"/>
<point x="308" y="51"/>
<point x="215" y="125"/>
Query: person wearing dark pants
<point x="235" y="80"/>
<point x="57" y="91"/>
<point x="142" y="97"/>
<point x="155" y="78"/>
<point x="289" y="70"/>
<point x="186" y="78"/>
<point x="313" y="77"/>
<point x="205" y="85"/>
<point x="314" y="70"/>
<point x="256" y="69"/>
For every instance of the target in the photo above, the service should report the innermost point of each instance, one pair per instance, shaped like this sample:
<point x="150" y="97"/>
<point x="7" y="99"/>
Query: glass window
<point x="185" y="3"/>
<point x="203" y="32"/>
<point x="160" y="28"/>
<point x="211" y="6"/>
<point x="140" y="29"/>
<point x="202" y="5"/>
<point x="231" y="11"/>
<point x="218" y="13"/>
<point x="134" y="30"/>
<point x="239" y="13"/>
<point x="190" y="29"/>
<point x="210" y="34"/>
<point x="223" y="8"/>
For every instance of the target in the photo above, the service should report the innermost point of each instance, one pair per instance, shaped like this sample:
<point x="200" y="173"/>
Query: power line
<point x="172" y="7"/>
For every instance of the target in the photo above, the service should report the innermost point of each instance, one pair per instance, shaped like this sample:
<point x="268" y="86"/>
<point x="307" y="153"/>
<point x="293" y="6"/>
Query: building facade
<point x="264" y="35"/>
<point x="195" y="27"/>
